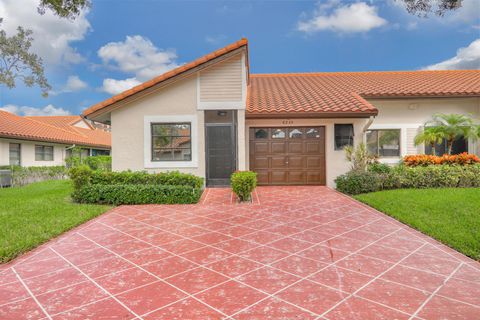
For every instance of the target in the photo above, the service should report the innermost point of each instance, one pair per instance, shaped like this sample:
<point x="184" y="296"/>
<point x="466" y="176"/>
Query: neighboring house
<point x="48" y="140"/>
<point x="211" y="117"/>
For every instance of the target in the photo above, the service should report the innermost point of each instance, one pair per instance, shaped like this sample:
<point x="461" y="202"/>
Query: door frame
<point x="233" y="127"/>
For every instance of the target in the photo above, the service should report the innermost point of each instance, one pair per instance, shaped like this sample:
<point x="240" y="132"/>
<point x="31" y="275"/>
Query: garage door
<point x="288" y="156"/>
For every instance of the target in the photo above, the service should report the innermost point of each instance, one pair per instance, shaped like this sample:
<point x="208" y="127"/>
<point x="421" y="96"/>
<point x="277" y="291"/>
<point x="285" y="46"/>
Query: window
<point x="43" y="153"/>
<point x="261" y="133"/>
<point x="14" y="154"/>
<point x="171" y="142"/>
<point x="295" y="133"/>
<point x="460" y="145"/>
<point x="384" y="143"/>
<point x="343" y="135"/>
<point x="99" y="152"/>
<point x="313" y="133"/>
<point x="278" y="133"/>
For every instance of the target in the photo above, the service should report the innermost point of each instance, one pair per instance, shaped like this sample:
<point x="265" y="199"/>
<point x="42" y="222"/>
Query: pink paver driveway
<point x="294" y="253"/>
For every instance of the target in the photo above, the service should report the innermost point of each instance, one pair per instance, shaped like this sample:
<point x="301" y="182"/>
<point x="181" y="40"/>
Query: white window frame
<point x="403" y="138"/>
<point x="147" y="137"/>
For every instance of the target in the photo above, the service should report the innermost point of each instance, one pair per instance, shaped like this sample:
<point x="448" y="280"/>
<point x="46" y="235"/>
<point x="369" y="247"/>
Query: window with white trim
<point x="43" y="153"/>
<point x="384" y="142"/>
<point x="171" y="141"/>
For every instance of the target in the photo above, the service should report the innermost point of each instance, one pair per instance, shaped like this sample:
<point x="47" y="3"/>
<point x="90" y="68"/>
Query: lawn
<point x="33" y="214"/>
<point x="451" y="216"/>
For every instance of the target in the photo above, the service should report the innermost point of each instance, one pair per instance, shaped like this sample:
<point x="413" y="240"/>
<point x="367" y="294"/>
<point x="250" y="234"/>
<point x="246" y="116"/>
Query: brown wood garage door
<point x="288" y="156"/>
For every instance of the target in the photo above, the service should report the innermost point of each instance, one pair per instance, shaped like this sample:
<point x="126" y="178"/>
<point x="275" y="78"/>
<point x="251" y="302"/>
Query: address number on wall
<point x="287" y="121"/>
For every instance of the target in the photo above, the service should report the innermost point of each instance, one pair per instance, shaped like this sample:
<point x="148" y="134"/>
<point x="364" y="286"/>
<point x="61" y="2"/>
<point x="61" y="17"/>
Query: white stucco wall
<point x="409" y="115"/>
<point x="335" y="159"/>
<point x="27" y="150"/>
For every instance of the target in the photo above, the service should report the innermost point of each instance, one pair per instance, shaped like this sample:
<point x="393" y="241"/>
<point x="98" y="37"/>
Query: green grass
<point x="451" y="216"/>
<point x="33" y="214"/>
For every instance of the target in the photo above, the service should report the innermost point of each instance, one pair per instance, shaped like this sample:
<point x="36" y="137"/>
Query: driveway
<point x="293" y="253"/>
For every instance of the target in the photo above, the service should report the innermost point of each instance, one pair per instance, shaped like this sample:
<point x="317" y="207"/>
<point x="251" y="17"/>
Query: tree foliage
<point x="18" y="63"/>
<point x="424" y="7"/>
<point x="69" y="9"/>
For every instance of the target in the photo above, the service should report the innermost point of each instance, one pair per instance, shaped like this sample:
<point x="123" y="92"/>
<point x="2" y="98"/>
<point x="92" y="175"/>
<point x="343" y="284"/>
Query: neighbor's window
<point x="99" y="152"/>
<point x="171" y="142"/>
<point x="460" y="145"/>
<point x="43" y="153"/>
<point x="14" y="152"/>
<point x="384" y="143"/>
<point x="343" y="135"/>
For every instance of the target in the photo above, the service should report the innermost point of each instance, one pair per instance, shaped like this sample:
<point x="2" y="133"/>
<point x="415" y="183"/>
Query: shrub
<point x="101" y="163"/>
<point x="359" y="157"/>
<point x="425" y="160"/>
<point x="24" y="175"/>
<point x="243" y="183"/>
<point x="134" y="187"/>
<point x="433" y="176"/>
<point x="356" y="182"/>
<point x="379" y="168"/>
<point x="136" y="194"/>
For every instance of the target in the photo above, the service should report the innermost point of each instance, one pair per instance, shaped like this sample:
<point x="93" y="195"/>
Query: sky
<point x="117" y="44"/>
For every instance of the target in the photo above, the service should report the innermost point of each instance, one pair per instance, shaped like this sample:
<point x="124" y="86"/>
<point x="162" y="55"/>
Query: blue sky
<point x="119" y="43"/>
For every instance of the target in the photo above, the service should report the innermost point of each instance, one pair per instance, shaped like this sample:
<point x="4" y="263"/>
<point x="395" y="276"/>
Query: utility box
<point x="5" y="178"/>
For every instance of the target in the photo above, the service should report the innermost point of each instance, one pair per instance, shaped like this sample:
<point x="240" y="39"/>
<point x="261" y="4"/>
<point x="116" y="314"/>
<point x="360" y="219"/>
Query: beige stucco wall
<point x="27" y="151"/>
<point x="409" y="115"/>
<point x="335" y="159"/>
<point x="172" y="103"/>
<point x="128" y="123"/>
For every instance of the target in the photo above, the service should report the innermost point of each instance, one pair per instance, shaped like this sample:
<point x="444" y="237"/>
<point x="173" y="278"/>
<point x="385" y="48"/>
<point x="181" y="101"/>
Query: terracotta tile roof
<point x="345" y="92"/>
<point x="64" y="122"/>
<point x="166" y="76"/>
<point x="51" y="130"/>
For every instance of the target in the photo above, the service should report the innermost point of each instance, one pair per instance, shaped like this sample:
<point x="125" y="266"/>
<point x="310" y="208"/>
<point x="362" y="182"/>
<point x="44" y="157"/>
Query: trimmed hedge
<point x="243" y="183"/>
<point x="134" y="187"/>
<point x="25" y="175"/>
<point x="434" y="176"/>
<point x="102" y="163"/>
<point x="118" y="194"/>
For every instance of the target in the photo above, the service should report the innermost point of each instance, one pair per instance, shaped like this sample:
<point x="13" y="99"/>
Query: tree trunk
<point x="450" y="145"/>
<point x="433" y="149"/>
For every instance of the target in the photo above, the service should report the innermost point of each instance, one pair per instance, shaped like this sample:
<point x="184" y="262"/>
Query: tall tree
<point x="424" y="7"/>
<point x="431" y="136"/>
<point x="69" y="9"/>
<point x="18" y="63"/>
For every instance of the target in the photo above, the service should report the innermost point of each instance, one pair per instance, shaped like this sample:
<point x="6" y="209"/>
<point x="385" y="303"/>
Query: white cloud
<point x="48" y="110"/>
<point x="113" y="86"/>
<point x="139" y="56"/>
<point x="350" y="18"/>
<point x="73" y="84"/>
<point x="136" y="56"/>
<point x="53" y="35"/>
<point x="466" y="58"/>
<point x="467" y="13"/>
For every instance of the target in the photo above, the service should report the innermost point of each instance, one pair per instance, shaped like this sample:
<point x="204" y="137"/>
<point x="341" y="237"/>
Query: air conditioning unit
<point x="5" y="178"/>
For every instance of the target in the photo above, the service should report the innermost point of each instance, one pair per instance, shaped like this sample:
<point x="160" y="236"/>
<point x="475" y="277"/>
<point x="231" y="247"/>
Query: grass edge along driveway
<point x="450" y="215"/>
<point x="36" y="213"/>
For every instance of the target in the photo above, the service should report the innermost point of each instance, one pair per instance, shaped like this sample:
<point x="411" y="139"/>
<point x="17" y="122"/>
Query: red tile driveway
<point x="294" y="253"/>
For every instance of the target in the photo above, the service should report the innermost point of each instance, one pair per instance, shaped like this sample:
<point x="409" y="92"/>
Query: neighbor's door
<point x="221" y="155"/>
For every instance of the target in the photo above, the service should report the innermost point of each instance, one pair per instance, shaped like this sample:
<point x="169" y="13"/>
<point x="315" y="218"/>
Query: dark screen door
<point x="220" y="154"/>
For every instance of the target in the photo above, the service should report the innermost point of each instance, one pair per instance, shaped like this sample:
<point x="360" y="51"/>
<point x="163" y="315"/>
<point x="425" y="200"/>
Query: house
<point x="211" y="116"/>
<point x="48" y="140"/>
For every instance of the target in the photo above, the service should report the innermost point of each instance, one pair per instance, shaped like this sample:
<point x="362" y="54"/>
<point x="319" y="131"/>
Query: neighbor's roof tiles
<point x="166" y="76"/>
<point x="51" y="129"/>
<point x="345" y="92"/>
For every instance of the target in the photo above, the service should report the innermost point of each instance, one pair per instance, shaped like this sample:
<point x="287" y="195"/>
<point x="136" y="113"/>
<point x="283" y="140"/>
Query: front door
<point x="221" y="157"/>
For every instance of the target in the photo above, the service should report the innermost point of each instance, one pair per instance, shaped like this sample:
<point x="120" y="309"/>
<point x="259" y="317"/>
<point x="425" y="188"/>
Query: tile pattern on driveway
<point x="293" y="253"/>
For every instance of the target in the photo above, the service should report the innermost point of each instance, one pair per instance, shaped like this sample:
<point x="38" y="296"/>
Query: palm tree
<point x="431" y="136"/>
<point x="454" y="126"/>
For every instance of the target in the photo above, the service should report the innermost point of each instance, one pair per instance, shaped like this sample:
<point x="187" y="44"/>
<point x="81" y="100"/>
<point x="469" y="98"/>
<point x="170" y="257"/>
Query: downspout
<point x="366" y="126"/>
